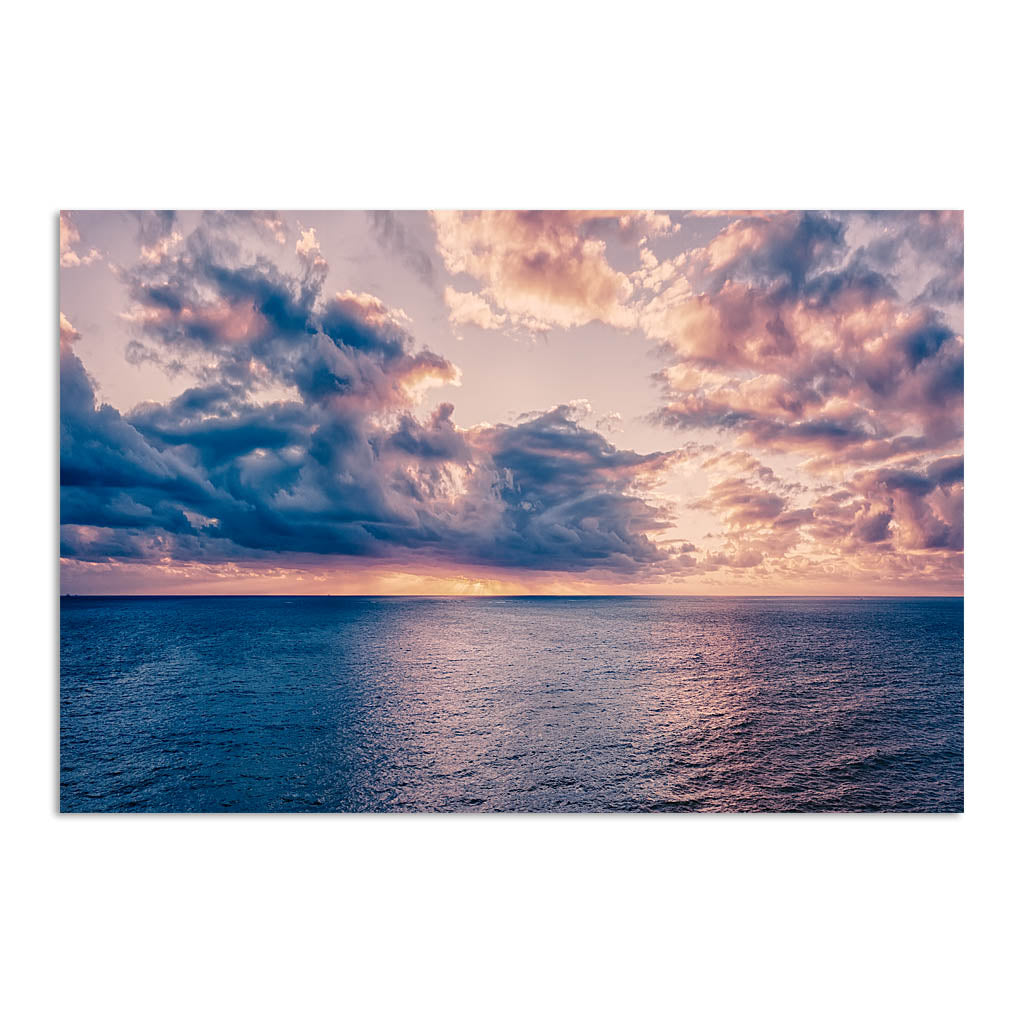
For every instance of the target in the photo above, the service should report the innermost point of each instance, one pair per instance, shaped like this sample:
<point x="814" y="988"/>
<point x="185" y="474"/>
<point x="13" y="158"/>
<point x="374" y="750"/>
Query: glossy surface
<point x="511" y="704"/>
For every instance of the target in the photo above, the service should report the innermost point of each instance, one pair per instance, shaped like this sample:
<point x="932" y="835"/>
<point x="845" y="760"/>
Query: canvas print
<point x="519" y="511"/>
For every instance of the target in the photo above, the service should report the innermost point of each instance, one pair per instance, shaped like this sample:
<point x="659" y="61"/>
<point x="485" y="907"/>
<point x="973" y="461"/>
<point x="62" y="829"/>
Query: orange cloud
<point x="543" y="268"/>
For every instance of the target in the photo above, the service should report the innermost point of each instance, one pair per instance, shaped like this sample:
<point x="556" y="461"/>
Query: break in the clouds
<point x="276" y="398"/>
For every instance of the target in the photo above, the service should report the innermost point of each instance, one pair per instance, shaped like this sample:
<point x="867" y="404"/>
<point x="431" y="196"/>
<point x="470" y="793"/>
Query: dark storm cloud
<point x="551" y="452"/>
<point x="437" y="440"/>
<point x="570" y="498"/>
<point x="98" y="448"/>
<point x="231" y="470"/>
<point x="218" y="427"/>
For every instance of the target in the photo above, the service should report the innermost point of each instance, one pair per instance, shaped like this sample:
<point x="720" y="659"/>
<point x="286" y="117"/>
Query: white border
<point x="715" y="918"/>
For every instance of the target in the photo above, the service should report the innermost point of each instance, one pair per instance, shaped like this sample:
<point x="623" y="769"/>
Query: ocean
<point x="511" y="704"/>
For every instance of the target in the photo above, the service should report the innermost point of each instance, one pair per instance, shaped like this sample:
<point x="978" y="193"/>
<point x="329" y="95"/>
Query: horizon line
<point x="493" y="597"/>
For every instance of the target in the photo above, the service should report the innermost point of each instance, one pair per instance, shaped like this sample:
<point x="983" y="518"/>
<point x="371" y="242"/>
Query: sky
<point x="510" y="402"/>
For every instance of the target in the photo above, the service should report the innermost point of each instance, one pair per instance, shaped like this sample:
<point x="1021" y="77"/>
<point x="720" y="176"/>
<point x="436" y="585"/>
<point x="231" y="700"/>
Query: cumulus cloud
<point x="811" y="381"/>
<point x="571" y="498"/>
<point x="338" y="464"/>
<point x="829" y="338"/>
<point x="544" y="268"/>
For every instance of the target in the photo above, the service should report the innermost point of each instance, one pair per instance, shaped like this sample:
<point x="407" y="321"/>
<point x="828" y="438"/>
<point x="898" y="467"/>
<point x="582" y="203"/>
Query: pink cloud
<point x="69" y="239"/>
<point x="545" y="267"/>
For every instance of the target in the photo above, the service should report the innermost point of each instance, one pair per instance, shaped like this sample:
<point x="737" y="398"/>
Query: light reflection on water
<point x="512" y="704"/>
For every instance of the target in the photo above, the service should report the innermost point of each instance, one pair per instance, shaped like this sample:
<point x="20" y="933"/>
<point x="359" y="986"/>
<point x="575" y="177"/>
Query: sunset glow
<point x="502" y="402"/>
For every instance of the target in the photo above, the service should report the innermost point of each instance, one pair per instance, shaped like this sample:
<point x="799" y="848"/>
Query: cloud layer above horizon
<point x="267" y="400"/>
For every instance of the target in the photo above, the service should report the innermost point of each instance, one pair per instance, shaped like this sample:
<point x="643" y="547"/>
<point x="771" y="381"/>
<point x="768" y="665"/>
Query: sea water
<point x="511" y="704"/>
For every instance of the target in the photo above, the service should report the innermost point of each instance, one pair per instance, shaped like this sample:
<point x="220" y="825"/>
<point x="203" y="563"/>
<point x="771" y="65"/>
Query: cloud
<point x="110" y="475"/>
<point x="470" y="308"/>
<point x="901" y="523"/>
<point x="299" y="439"/>
<point x="544" y="268"/>
<point x="741" y="503"/>
<point x="393" y="236"/>
<point x="812" y="371"/>
<point x="157" y="235"/>
<point x="308" y="250"/>
<point x="68" y="334"/>
<point x="571" y="499"/>
<point x="69" y="239"/>
<point x="267" y="225"/>
<point x="786" y="336"/>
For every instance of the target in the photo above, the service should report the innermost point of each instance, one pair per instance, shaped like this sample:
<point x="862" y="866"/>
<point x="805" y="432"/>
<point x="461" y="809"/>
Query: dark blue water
<point x="518" y="704"/>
